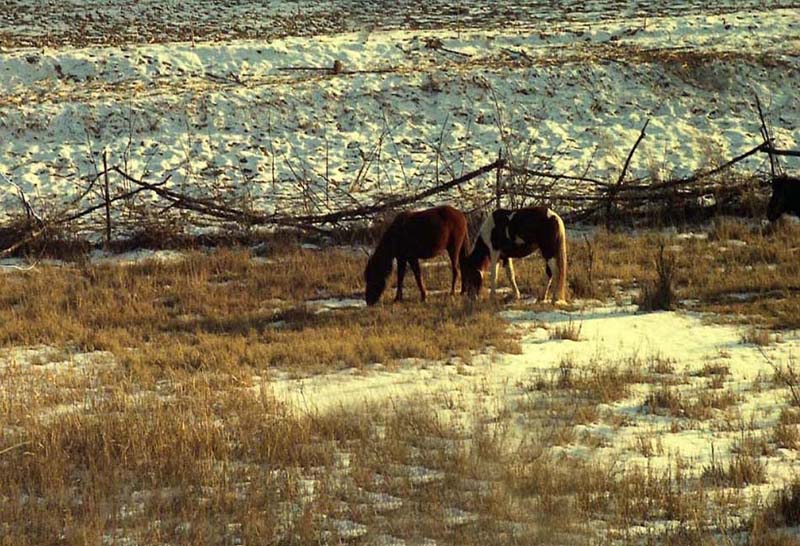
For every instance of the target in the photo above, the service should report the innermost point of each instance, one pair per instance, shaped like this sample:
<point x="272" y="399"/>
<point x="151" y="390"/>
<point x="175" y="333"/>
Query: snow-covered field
<point x="683" y="353"/>
<point x="565" y="89"/>
<point x="239" y="100"/>
<point x="609" y="337"/>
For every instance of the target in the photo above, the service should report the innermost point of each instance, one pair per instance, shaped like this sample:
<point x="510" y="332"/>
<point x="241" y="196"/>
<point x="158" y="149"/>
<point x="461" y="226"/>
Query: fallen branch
<point x="774" y="151"/>
<point x="216" y="210"/>
<point x="545" y="174"/>
<point x="15" y="446"/>
<point x="47" y="225"/>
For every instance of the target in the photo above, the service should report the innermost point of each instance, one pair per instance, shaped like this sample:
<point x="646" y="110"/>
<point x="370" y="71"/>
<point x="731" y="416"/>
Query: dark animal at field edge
<point x="508" y="234"/>
<point x="415" y="236"/>
<point x="785" y="197"/>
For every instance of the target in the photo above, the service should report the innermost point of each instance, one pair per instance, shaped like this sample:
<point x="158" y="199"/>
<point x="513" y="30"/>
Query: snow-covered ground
<point x="610" y="336"/>
<point x="78" y="22"/>
<point x="412" y="106"/>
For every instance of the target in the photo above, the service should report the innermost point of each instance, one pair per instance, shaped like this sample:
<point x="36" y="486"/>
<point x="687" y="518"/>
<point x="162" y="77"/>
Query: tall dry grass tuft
<point x="659" y="295"/>
<point x="775" y="524"/>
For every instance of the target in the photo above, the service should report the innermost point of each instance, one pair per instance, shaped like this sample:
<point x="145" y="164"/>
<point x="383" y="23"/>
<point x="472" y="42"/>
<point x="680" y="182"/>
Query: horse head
<point x="375" y="274"/>
<point x="471" y="279"/>
<point x="778" y="202"/>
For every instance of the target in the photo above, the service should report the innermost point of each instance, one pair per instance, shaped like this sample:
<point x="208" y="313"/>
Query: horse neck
<point x="381" y="259"/>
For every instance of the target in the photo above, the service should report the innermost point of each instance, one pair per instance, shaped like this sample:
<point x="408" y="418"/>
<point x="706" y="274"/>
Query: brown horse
<point x="508" y="234"/>
<point x="415" y="236"/>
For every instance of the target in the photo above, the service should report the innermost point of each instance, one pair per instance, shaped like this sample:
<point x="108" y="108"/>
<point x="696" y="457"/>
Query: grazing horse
<point x="508" y="234"/>
<point x="415" y="236"/>
<point x="785" y="197"/>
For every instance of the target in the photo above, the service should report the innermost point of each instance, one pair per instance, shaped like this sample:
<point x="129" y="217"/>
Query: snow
<point x="610" y="336"/>
<point x="328" y="304"/>
<point x="225" y="120"/>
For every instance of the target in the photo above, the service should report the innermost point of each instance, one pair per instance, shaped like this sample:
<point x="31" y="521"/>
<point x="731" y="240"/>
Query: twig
<point x="613" y="191"/>
<point x="554" y="176"/>
<point x="107" y="197"/>
<point x="33" y="235"/>
<point x="773" y="162"/>
<point x="630" y="154"/>
<point x="15" y="446"/>
<point x="790" y="382"/>
<point x="216" y="210"/>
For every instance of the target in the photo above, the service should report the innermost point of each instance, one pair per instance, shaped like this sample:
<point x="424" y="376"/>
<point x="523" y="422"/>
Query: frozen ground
<point x="628" y="434"/>
<point x="78" y="22"/>
<point x="411" y="107"/>
<point x="499" y="389"/>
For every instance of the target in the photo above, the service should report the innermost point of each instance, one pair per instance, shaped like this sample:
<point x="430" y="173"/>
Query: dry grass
<point x="168" y="439"/>
<point x="741" y="470"/>
<point x="757" y="336"/>
<point x="659" y="295"/>
<point x="570" y="331"/>
<point x="786" y="433"/>
<point x="228" y="313"/>
<point x="598" y="382"/>
<point x="739" y="270"/>
<point x="666" y="400"/>
<point x="775" y="524"/>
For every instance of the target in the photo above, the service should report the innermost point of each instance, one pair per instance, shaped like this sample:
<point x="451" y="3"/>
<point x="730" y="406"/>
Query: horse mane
<point x="379" y="264"/>
<point x="479" y="257"/>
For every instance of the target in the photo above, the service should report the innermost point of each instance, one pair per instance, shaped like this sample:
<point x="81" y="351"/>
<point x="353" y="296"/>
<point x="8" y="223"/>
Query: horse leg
<point x="509" y="267"/>
<point x="418" y="276"/>
<point x="494" y="256"/>
<point x="548" y="269"/>
<point x="555" y="273"/>
<point x="401" y="273"/>
<point x="453" y="253"/>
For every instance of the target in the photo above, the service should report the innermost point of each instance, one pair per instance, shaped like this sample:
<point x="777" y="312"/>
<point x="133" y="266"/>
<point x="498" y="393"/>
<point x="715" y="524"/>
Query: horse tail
<point x="562" y="259"/>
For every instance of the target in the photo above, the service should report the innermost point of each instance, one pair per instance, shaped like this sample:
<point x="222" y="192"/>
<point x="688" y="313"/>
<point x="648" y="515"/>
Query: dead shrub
<point x="757" y="336"/>
<point x="742" y="470"/>
<point x="668" y="401"/>
<point x="782" y="512"/>
<point x="659" y="295"/>
<point x="570" y="331"/>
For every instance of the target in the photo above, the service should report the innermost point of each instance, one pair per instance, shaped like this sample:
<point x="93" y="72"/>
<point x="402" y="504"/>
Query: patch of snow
<point x="456" y="516"/>
<point x="332" y="304"/>
<point x="346" y="529"/>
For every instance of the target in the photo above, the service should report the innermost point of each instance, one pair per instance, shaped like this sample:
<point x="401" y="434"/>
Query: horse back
<point x="518" y="233"/>
<point x="427" y="233"/>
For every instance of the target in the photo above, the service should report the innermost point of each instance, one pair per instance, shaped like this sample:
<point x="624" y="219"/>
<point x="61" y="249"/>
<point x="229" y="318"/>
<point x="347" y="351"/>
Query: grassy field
<point x="136" y="405"/>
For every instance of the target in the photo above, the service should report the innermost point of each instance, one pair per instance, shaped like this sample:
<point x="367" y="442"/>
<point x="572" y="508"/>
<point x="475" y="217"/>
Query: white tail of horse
<point x="561" y="279"/>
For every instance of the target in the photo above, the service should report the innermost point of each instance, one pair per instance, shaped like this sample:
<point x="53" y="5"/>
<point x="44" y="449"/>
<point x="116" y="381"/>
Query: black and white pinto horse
<point x="508" y="234"/>
<point x="785" y="197"/>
